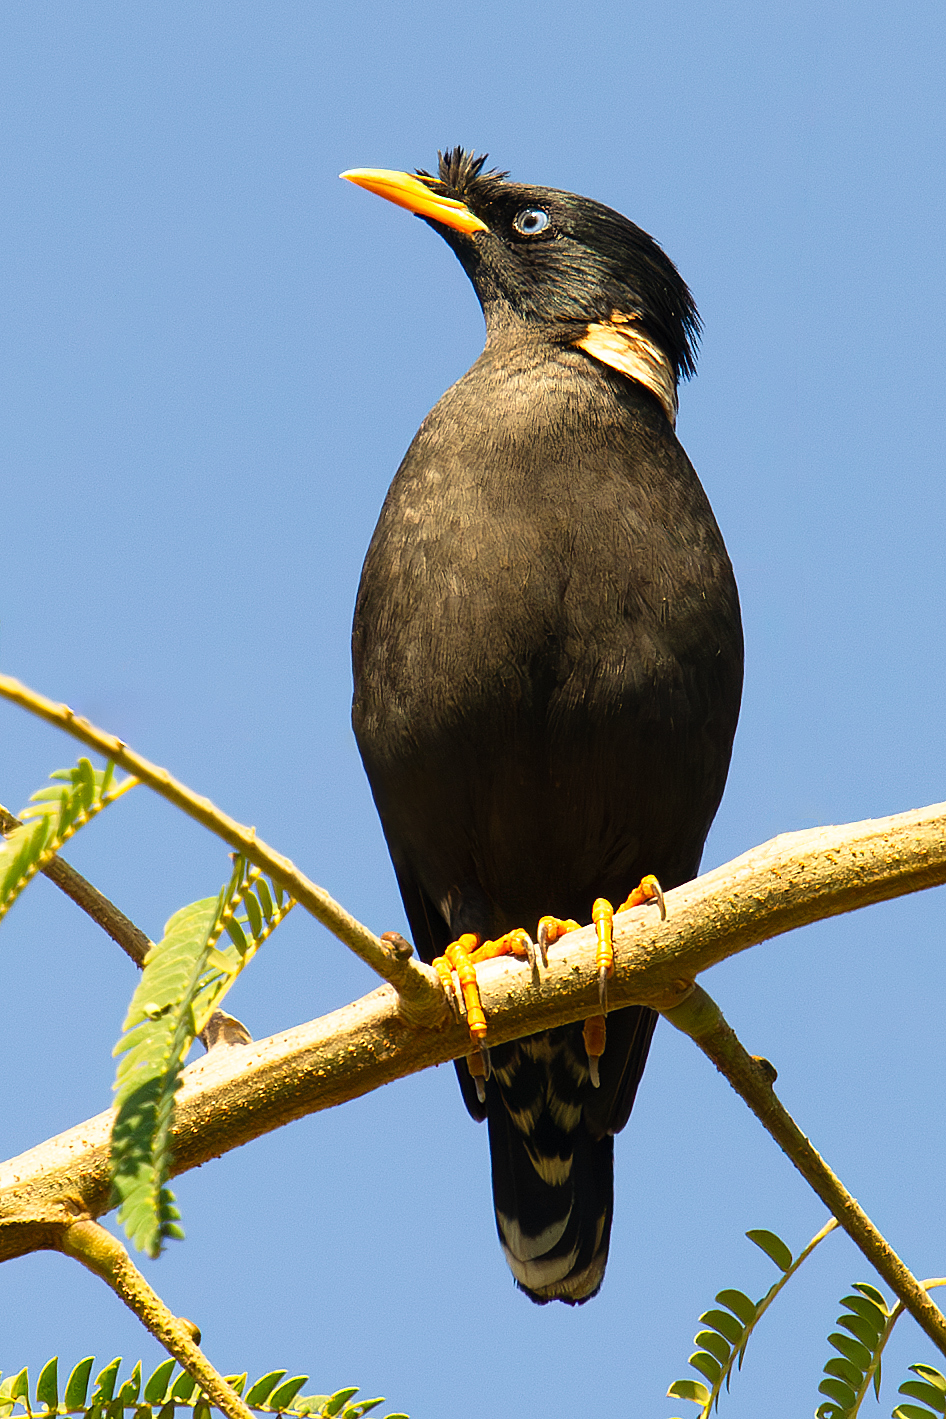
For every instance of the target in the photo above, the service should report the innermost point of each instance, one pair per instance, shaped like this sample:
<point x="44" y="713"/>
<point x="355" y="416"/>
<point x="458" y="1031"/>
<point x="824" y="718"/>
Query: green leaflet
<point x="77" y="1385"/>
<point x="47" y="1386"/>
<point x="51" y="817"/>
<point x="185" y="976"/>
<point x="109" y="1400"/>
<point x="773" y="1246"/>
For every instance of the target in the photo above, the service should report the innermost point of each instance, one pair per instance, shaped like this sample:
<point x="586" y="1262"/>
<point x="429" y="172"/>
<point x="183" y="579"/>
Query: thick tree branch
<point x="701" y="1018"/>
<point x="238" y="1093"/>
<point x="418" y="987"/>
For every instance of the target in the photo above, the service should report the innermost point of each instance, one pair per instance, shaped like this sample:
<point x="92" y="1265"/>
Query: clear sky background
<point x="214" y="356"/>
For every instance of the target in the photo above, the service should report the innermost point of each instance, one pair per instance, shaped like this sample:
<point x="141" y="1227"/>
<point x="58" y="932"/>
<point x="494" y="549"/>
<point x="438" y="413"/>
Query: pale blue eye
<point x="530" y="221"/>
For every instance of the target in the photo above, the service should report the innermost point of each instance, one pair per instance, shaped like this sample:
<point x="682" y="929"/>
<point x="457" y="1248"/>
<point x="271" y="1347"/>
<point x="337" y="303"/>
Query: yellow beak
<point x="411" y="192"/>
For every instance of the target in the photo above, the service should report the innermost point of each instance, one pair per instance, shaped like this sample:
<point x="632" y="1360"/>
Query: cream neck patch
<point x="622" y="344"/>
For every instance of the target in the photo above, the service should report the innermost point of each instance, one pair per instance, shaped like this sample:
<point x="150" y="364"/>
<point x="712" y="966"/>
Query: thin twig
<point x="104" y="1254"/>
<point x="418" y="986"/>
<point x="130" y="938"/>
<point x="700" y="1017"/>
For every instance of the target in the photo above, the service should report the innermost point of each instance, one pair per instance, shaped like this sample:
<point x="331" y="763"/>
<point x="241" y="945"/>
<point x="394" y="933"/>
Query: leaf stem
<point x="701" y="1018"/>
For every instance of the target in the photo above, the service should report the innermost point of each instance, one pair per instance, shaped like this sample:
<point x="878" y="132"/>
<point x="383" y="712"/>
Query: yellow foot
<point x="552" y="928"/>
<point x="603" y="914"/>
<point x="649" y="890"/>
<point x="462" y="957"/>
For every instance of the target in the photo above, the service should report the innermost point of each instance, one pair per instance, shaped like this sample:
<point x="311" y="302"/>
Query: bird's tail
<point x="553" y="1181"/>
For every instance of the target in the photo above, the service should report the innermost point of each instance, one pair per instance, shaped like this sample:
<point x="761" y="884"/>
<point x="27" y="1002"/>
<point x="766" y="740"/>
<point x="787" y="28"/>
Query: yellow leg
<point x="457" y="957"/>
<point x="602" y="914"/>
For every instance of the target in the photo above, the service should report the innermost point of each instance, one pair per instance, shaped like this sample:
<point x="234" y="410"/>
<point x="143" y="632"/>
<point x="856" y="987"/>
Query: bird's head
<point x="579" y="270"/>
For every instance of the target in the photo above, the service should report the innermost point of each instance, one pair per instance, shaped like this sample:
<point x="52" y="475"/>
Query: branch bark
<point x="240" y="1092"/>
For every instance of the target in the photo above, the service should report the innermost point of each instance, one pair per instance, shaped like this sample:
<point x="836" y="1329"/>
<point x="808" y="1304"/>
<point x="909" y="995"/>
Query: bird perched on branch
<point x="548" y="662"/>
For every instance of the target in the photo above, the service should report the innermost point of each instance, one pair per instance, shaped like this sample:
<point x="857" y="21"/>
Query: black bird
<point x="547" y="656"/>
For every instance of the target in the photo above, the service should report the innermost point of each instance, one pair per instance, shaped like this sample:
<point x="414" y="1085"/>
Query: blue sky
<point x="214" y="354"/>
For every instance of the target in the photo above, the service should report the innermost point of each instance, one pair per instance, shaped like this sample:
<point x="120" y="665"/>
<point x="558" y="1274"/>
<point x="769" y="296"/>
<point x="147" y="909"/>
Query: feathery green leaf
<point x="184" y="978"/>
<point x="723" y="1345"/>
<point x="849" y="1378"/>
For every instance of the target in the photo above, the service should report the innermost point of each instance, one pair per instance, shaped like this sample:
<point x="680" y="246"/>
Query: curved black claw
<point x="603" y="989"/>
<point x="542" y="941"/>
<point x="480" y="1068"/>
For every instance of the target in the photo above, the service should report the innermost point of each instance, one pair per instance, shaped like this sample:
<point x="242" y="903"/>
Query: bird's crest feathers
<point x="462" y="172"/>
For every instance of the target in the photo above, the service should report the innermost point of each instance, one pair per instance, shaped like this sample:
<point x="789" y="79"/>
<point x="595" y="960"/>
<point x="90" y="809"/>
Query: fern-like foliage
<point x="721" y="1345"/>
<point x="866" y="1322"/>
<point x="929" y="1388"/>
<point x="51" y="817"/>
<point x="166" y="1392"/>
<point x="185" y="977"/>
